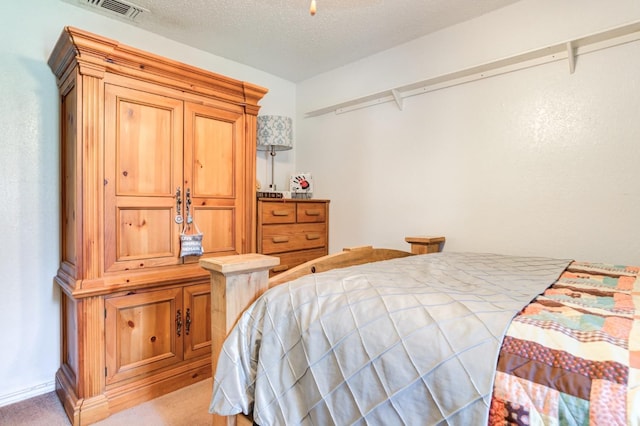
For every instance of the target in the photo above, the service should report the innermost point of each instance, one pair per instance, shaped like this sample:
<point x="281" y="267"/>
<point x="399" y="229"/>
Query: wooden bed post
<point x="424" y="245"/>
<point x="236" y="281"/>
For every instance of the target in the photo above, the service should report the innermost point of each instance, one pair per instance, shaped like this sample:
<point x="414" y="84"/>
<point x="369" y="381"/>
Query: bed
<point x="440" y="338"/>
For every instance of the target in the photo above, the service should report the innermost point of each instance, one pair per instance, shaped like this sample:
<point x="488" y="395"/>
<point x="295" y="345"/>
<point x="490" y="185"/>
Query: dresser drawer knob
<point x="312" y="212"/>
<point x="313" y="236"/>
<point x="280" y="212"/>
<point x="280" y="239"/>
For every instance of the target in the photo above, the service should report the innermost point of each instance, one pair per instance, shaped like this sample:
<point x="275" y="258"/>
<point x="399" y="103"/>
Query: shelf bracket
<point x="398" y="98"/>
<point x="571" y="55"/>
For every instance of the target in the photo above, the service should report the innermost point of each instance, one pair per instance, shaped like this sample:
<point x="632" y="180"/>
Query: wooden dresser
<point x="142" y="138"/>
<point x="295" y="230"/>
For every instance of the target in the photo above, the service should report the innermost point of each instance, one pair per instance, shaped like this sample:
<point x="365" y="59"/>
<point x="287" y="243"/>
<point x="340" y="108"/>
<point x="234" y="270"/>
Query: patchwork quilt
<point x="572" y="357"/>
<point x="407" y="341"/>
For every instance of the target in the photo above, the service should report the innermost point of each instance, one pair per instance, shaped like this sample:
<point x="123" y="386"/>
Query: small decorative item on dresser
<point x="301" y="185"/>
<point x="270" y="194"/>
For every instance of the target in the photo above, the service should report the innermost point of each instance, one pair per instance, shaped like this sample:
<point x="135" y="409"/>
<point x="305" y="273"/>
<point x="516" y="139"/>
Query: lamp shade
<point x="275" y="133"/>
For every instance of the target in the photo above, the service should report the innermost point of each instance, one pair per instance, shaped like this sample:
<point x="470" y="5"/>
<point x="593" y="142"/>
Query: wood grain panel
<point x="141" y="332"/>
<point x="69" y="155"/>
<point x="143" y="170"/>
<point x="197" y="306"/>
<point x="144" y="148"/>
<point x="300" y="236"/>
<point x="218" y="226"/>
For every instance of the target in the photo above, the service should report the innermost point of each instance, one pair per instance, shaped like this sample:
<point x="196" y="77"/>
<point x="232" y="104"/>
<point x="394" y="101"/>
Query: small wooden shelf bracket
<point x="398" y="98"/>
<point x="571" y="55"/>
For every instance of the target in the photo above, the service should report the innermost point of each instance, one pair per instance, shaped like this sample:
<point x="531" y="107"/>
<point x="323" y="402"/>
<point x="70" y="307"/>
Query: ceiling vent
<point x="120" y="8"/>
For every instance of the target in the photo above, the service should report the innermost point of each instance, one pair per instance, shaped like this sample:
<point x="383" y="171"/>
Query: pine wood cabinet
<point x="143" y="138"/>
<point x="294" y="230"/>
<point x="151" y="330"/>
<point x="160" y="154"/>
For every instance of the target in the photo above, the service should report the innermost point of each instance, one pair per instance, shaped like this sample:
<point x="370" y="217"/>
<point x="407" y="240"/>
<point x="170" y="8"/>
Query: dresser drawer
<point x="301" y="236"/>
<point x="295" y="258"/>
<point x="311" y="212"/>
<point x="280" y="212"/>
<point x="295" y="230"/>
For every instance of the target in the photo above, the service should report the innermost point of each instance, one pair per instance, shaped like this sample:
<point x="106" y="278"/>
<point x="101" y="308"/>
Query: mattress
<point x="406" y="341"/>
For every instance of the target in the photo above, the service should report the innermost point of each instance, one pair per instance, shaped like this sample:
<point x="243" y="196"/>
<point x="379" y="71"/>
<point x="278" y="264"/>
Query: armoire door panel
<point x="143" y="172"/>
<point x="213" y="154"/>
<point x="144" y="149"/>
<point x="144" y="233"/>
<point x="197" y="307"/>
<point x="213" y="151"/>
<point x="146" y="141"/>
<point x="142" y="333"/>
<point x="218" y="226"/>
<point x="213" y="163"/>
<point x="141" y="233"/>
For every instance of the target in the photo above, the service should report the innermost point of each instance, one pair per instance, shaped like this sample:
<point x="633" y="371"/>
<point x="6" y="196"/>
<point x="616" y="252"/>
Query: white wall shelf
<point x="568" y="50"/>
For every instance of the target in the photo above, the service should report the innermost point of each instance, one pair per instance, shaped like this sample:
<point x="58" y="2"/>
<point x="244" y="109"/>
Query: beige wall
<point x="538" y="161"/>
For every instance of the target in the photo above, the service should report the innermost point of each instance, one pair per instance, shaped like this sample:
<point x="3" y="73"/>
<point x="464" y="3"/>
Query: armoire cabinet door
<point x="197" y="309"/>
<point x="143" y="169"/>
<point x="213" y="167"/>
<point x="143" y="332"/>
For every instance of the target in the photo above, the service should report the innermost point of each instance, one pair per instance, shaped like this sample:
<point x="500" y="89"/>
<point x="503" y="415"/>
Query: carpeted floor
<point x="184" y="407"/>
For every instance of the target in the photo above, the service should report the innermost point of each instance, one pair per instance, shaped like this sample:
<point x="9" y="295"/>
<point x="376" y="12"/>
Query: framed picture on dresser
<point x="301" y="185"/>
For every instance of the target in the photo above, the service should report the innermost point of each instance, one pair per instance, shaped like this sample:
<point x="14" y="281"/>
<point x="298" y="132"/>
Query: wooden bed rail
<point x="348" y="257"/>
<point x="236" y="281"/>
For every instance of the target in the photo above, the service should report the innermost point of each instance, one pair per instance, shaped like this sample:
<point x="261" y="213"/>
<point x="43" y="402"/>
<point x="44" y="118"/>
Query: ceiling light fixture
<point x="313" y="9"/>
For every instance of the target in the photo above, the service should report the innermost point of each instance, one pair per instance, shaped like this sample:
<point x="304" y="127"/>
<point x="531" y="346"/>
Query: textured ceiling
<point x="282" y="38"/>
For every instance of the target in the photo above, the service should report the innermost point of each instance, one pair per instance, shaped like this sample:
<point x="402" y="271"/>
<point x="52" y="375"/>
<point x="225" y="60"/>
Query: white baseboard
<point x="21" y="395"/>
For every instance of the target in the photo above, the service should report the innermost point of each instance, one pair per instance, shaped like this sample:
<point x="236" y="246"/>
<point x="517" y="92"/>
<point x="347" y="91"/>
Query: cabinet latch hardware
<point x="178" y="219"/>
<point x="188" y="207"/>
<point x="178" y="322"/>
<point x="187" y="321"/>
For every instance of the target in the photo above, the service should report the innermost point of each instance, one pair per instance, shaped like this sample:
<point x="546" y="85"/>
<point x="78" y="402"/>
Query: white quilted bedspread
<point x="406" y="341"/>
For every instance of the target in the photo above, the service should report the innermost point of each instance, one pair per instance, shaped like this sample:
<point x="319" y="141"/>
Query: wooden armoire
<point x="143" y="139"/>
